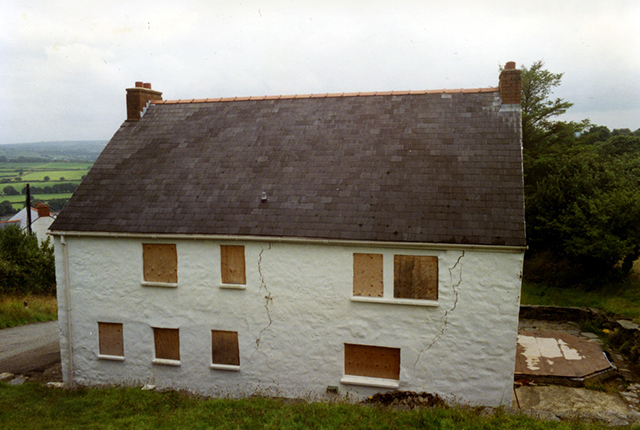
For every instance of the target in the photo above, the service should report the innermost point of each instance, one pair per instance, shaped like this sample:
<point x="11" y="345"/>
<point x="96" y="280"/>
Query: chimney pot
<point x="147" y="86"/>
<point x="139" y="84"/>
<point x="511" y="65"/>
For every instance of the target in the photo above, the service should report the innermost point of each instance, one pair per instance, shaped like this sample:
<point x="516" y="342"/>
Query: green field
<point x="68" y="175"/>
<point x="31" y="172"/>
<point x="18" y="201"/>
<point x="19" y="174"/>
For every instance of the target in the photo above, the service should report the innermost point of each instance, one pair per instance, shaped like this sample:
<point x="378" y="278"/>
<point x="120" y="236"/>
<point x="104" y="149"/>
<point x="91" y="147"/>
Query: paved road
<point x="29" y="347"/>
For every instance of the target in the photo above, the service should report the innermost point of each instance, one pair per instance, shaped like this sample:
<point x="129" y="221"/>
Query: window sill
<point x="159" y="284"/>
<point x="166" y="362"/>
<point x="382" y="300"/>
<point x="233" y="286"/>
<point x="370" y="382"/>
<point x="230" y="367"/>
<point x="110" y="357"/>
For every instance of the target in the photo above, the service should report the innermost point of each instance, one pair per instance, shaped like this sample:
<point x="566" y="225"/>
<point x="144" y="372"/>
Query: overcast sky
<point x="65" y="64"/>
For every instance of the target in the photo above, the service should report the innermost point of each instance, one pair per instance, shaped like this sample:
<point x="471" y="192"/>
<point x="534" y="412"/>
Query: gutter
<point x="292" y="240"/>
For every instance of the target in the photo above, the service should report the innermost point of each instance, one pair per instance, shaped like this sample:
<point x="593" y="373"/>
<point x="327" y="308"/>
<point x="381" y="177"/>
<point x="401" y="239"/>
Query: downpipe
<point x="67" y="299"/>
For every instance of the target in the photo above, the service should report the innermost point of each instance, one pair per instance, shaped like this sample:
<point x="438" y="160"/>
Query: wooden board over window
<point x="225" y="348"/>
<point x="372" y="361"/>
<point x="415" y="277"/>
<point x="367" y="275"/>
<point x="167" y="343"/>
<point x="160" y="262"/>
<point x="111" y="339"/>
<point x="233" y="267"/>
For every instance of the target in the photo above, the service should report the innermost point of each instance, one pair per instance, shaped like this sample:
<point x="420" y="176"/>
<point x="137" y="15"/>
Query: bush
<point x="25" y="265"/>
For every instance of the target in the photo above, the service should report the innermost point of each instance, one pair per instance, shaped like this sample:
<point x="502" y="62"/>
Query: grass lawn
<point x="35" y="406"/>
<point x="39" y="308"/>
<point x="622" y="299"/>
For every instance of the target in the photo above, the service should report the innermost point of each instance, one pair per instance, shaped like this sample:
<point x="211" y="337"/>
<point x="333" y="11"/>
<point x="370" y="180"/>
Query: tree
<point x="595" y="133"/>
<point x="47" y="179"/>
<point x="537" y="107"/>
<point x="10" y="191"/>
<point x="6" y="208"/>
<point x="584" y="209"/>
<point x="582" y="190"/>
<point x="56" y="205"/>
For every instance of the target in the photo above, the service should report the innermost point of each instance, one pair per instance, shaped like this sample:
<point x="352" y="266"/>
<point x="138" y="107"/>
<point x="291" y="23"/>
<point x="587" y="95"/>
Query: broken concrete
<point x="566" y="403"/>
<point x="558" y="357"/>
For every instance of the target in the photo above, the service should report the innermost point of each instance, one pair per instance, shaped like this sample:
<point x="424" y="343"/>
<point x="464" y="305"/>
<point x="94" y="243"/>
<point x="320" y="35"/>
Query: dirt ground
<point x="50" y="373"/>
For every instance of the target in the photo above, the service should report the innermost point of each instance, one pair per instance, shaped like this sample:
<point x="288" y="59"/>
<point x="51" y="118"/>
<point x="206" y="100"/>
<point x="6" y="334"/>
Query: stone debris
<point x="6" y="376"/>
<point x="55" y="384"/>
<point x="632" y="396"/>
<point x="18" y="381"/>
<point x="591" y="336"/>
<point x="541" y="415"/>
<point x="148" y="387"/>
<point x="628" y="324"/>
<point x="406" y="400"/>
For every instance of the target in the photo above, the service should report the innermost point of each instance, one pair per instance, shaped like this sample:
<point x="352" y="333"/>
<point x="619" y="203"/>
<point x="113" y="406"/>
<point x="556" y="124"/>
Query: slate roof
<point x="430" y="167"/>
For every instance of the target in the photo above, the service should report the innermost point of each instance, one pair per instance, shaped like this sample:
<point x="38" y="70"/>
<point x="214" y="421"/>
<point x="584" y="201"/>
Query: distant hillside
<point x="79" y="150"/>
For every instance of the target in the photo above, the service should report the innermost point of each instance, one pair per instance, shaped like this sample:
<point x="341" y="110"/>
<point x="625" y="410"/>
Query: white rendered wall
<point x="40" y="227"/>
<point x="293" y="319"/>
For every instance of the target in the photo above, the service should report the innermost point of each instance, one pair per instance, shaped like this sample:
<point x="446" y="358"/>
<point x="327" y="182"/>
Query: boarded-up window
<point x="110" y="339"/>
<point x="372" y="361"/>
<point x="167" y="342"/>
<point x="160" y="262"/>
<point x="367" y="275"/>
<point x="225" y="348"/>
<point x="415" y="277"/>
<point x="232" y="260"/>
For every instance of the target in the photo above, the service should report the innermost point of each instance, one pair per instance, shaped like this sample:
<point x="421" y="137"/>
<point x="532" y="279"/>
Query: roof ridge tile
<point x="329" y="95"/>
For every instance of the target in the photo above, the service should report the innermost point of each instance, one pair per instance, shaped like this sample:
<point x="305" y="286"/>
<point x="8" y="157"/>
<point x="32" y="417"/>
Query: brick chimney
<point x="43" y="210"/>
<point x="510" y="84"/>
<point x="138" y="98"/>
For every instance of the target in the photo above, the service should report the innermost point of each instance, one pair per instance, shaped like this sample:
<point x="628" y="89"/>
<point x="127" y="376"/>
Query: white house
<point x="300" y="246"/>
<point x="41" y="220"/>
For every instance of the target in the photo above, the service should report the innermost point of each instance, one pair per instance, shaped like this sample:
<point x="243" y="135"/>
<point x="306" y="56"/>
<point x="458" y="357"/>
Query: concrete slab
<point x="567" y="400"/>
<point x="555" y="354"/>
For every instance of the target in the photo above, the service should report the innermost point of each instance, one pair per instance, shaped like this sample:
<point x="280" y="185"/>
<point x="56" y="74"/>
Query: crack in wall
<point x="445" y="320"/>
<point x="268" y="298"/>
